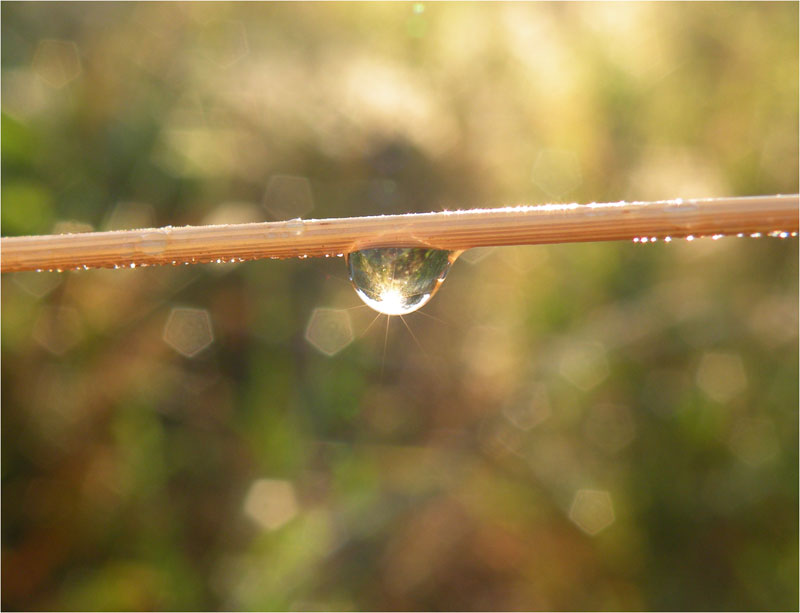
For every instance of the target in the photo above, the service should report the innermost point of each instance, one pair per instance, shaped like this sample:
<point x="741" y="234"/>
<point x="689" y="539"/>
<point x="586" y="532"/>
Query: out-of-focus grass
<point x="599" y="426"/>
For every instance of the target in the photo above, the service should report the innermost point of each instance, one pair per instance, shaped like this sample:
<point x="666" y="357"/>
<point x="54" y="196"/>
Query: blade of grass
<point x="451" y="230"/>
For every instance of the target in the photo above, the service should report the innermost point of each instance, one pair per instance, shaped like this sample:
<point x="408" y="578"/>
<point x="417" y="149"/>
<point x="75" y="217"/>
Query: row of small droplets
<point x="715" y="237"/>
<point x="176" y="263"/>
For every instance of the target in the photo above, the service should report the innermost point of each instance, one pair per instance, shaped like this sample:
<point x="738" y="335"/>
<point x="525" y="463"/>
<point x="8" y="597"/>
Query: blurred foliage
<point x="598" y="426"/>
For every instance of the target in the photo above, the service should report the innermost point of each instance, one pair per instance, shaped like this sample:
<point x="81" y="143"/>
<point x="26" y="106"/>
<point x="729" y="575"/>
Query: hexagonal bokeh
<point x="556" y="172"/>
<point x="57" y="62"/>
<point x="37" y="284"/>
<point x="71" y="226"/>
<point x="721" y="376"/>
<point x="129" y="216"/>
<point x="270" y="503"/>
<point x="188" y="331"/>
<point x="531" y="410"/>
<point x="58" y="329"/>
<point x="592" y="511"/>
<point x="329" y="330"/>
<point x="584" y="365"/>
<point x="476" y="254"/>
<point x="288" y="197"/>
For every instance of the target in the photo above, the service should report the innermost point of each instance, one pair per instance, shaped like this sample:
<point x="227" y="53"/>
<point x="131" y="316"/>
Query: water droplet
<point x="295" y="226"/>
<point x="690" y="238"/>
<point x="755" y="235"/>
<point x="668" y="239"/>
<point x="152" y="243"/>
<point x="398" y="280"/>
<point x="679" y="206"/>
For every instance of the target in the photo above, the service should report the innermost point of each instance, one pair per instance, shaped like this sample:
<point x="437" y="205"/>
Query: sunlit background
<point x="595" y="426"/>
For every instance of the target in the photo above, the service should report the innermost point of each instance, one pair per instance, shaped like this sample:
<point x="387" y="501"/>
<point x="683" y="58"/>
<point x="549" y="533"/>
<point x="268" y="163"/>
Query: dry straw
<point x="452" y="230"/>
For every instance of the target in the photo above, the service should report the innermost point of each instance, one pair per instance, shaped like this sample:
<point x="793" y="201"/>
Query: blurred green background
<point x="594" y="426"/>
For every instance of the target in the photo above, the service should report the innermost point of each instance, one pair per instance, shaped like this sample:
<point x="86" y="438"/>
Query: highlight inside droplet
<point x="398" y="280"/>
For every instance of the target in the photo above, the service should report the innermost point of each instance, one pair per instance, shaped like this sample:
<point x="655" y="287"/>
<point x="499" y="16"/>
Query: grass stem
<point x="452" y="230"/>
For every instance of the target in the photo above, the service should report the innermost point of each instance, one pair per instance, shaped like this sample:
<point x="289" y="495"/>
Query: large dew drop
<point x="398" y="280"/>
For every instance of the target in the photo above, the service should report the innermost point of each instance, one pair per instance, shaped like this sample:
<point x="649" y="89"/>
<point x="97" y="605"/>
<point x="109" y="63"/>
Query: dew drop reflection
<point x="398" y="280"/>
